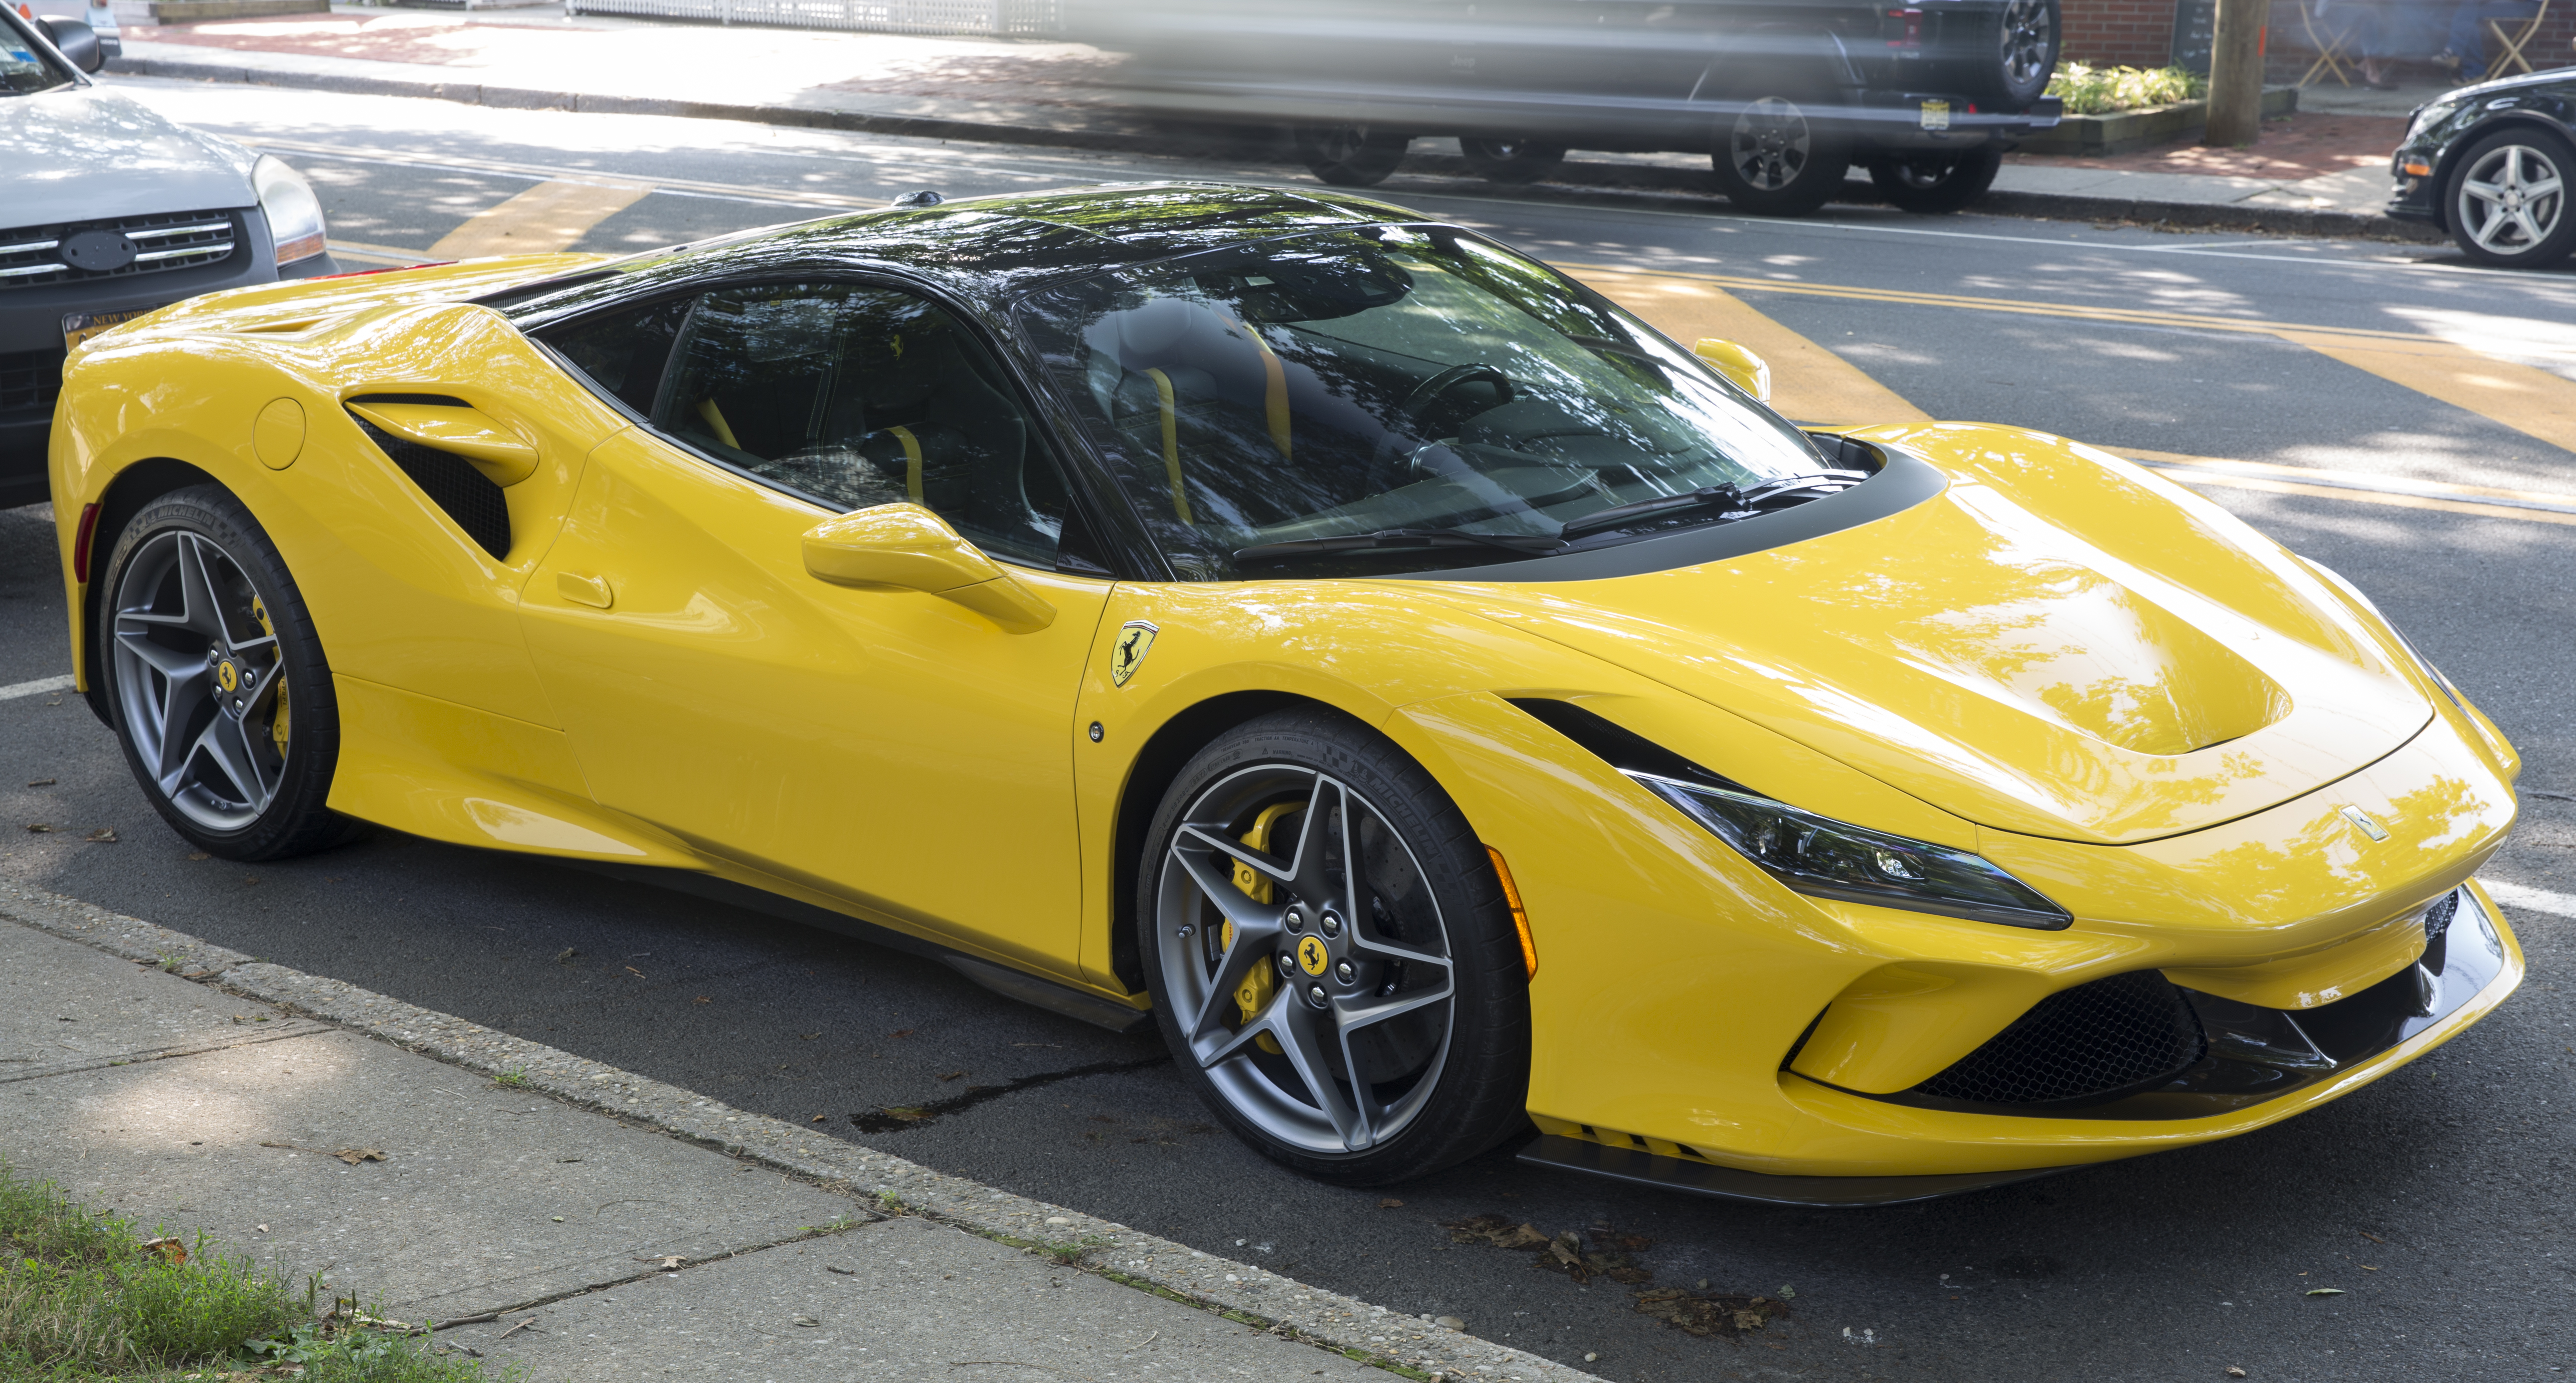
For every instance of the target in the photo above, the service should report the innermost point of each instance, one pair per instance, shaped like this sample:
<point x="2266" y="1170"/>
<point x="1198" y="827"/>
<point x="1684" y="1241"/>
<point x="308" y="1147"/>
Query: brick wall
<point x="2120" y="33"/>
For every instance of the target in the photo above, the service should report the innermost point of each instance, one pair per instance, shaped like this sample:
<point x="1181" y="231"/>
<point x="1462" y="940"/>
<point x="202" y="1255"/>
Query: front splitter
<point x="1693" y="1177"/>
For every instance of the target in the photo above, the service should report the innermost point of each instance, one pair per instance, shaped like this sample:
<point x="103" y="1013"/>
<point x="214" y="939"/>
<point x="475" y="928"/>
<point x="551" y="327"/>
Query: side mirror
<point x="906" y="547"/>
<point x="1738" y="364"/>
<point x="457" y="427"/>
<point x="78" y="41"/>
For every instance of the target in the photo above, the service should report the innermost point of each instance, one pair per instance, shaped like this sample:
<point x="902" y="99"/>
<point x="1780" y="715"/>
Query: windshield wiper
<point x="1726" y="499"/>
<point x="1525" y="543"/>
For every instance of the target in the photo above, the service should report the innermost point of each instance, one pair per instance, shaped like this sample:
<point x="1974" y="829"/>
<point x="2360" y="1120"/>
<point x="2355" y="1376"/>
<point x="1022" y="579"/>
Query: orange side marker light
<point x="1520" y="915"/>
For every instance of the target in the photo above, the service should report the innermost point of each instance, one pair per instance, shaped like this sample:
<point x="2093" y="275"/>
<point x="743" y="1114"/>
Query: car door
<point x="890" y="749"/>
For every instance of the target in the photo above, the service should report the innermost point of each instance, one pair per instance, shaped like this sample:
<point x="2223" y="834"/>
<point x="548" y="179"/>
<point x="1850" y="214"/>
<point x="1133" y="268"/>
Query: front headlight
<point x="2428" y="117"/>
<point x="1824" y="858"/>
<point x="294" y="213"/>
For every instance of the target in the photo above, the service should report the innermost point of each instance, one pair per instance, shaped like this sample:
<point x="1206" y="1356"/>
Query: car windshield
<point x="24" y="64"/>
<point x="1396" y="399"/>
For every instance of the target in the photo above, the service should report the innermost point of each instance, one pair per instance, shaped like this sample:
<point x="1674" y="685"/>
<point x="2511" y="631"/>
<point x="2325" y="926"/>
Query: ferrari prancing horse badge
<point x="1134" y="642"/>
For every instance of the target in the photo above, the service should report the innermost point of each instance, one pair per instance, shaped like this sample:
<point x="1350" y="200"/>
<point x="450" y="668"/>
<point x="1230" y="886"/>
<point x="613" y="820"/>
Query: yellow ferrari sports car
<point x="1441" y="702"/>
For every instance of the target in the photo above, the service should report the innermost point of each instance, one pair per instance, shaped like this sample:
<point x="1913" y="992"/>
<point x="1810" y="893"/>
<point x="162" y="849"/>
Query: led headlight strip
<point x="1824" y="858"/>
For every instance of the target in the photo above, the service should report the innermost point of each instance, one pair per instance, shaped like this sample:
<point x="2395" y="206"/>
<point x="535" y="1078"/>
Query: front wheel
<point x="2509" y="199"/>
<point x="1510" y="159"/>
<point x="1775" y="158"/>
<point x="1330" y="953"/>
<point x="216" y="683"/>
<point x="1350" y="154"/>
<point x="1936" y="184"/>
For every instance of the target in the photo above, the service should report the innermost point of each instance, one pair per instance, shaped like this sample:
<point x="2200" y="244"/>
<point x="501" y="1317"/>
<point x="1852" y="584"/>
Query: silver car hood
<point x="86" y="154"/>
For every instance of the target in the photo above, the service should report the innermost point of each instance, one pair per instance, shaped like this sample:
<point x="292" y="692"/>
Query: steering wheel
<point x="1430" y="390"/>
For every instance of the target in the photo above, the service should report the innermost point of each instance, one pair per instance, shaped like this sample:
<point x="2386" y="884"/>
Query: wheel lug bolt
<point x="1287" y="964"/>
<point x="1331" y="924"/>
<point x="1344" y="972"/>
<point x="1315" y="995"/>
<point x="1295" y="919"/>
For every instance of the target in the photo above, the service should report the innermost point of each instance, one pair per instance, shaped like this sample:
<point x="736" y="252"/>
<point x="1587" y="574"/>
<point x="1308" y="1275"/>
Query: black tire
<point x="2498" y="225"/>
<point x="1935" y="184"/>
<point x="203" y="639"/>
<point x="1777" y="157"/>
<point x="1350" y="155"/>
<point x="1427" y="884"/>
<point x="2011" y="51"/>
<point x="1510" y="159"/>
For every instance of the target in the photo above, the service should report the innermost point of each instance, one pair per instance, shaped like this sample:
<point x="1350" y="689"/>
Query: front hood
<point x="2059" y="644"/>
<point x="87" y="154"/>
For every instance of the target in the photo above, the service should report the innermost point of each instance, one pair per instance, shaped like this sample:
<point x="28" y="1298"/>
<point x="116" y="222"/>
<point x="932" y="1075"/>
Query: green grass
<point x="2100" y="90"/>
<point x="82" y="1300"/>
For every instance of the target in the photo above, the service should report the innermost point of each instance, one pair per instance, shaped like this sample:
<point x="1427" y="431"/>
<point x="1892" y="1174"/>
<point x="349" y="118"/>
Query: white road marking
<point x="2528" y="899"/>
<point x="39" y="687"/>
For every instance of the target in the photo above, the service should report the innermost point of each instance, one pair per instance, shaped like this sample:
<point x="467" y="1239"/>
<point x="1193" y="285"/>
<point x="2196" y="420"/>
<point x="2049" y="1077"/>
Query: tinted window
<point x="857" y="396"/>
<point x="623" y="351"/>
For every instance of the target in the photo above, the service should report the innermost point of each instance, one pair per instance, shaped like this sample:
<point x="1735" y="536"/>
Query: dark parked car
<point x="1784" y="95"/>
<point x="2491" y="164"/>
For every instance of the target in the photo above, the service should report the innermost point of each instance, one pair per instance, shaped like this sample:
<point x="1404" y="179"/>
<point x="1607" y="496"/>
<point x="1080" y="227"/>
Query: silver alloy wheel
<point x="198" y="677"/>
<point x="1317" y="997"/>
<point x="2026" y="41"/>
<point x="2511" y="199"/>
<point x="1770" y="144"/>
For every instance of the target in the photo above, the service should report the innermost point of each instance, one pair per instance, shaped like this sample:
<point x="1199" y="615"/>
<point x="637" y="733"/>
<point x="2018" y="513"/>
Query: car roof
<point x="1014" y="241"/>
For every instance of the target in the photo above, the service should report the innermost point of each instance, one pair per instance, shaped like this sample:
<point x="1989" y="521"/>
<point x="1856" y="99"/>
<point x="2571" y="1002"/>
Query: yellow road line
<point x="2531" y="401"/>
<point x="1808" y="382"/>
<point x="359" y="249"/>
<point x="549" y="216"/>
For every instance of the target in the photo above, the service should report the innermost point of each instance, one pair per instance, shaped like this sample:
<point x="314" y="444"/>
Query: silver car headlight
<point x="2428" y="117"/>
<point x="1824" y="858"/>
<point x="294" y="213"/>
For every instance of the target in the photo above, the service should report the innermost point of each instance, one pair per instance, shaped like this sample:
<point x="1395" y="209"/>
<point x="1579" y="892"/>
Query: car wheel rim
<point x="1770" y="144"/>
<point x="1341" y="143"/>
<point x="1923" y="175"/>
<point x="1309" y="971"/>
<point x="2511" y="199"/>
<point x="199" y="679"/>
<point x="2026" y="41"/>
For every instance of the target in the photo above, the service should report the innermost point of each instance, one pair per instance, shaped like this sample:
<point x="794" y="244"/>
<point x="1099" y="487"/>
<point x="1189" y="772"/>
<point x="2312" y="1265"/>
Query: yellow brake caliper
<point x="277" y="696"/>
<point x="1262" y="981"/>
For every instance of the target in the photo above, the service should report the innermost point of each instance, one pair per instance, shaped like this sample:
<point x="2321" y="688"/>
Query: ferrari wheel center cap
<point x="228" y="676"/>
<point x="1313" y="956"/>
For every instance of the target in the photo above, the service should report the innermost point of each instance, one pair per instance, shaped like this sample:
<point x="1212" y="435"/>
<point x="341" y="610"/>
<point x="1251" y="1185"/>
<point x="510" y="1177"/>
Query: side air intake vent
<point x="2108" y="1037"/>
<point x="451" y="482"/>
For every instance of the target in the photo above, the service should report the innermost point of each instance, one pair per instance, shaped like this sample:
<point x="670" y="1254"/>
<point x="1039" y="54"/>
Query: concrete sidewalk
<point x="1064" y="94"/>
<point x="586" y="1222"/>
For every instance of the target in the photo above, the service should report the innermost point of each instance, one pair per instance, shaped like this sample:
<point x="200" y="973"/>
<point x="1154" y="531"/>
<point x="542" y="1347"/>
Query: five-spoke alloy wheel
<point x="1328" y="950"/>
<point x="2509" y="199"/>
<point x="215" y="683"/>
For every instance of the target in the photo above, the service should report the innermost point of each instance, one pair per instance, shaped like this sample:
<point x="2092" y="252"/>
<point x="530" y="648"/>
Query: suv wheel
<point x="1350" y="155"/>
<point x="2509" y="198"/>
<point x="1773" y="159"/>
<point x="1936" y="184"/>
<point x="1510" y="159"/>
<point x="2014" y="51"/>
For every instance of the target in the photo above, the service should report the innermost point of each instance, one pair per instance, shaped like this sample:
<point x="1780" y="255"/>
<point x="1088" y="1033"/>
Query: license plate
<point x="80" y="326"/>
<point x="1936" y="115"/>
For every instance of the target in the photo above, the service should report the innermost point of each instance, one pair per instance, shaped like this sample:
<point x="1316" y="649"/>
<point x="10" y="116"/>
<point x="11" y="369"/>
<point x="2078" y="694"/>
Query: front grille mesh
<point x="2437" y="918"/>
<point x="31" y="256"/>
<point x="30" y="380"/>
<point x="2111" y="1035"/>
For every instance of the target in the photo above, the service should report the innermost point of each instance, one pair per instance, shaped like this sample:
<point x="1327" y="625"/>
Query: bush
<point x="2100" y="90"/>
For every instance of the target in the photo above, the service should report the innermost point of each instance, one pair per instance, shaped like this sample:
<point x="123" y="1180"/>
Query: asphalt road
<point x="2437" y="1199"/>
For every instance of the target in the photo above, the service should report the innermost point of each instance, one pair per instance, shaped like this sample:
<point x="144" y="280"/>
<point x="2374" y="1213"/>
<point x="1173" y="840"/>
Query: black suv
<point x="1784" y="95"/>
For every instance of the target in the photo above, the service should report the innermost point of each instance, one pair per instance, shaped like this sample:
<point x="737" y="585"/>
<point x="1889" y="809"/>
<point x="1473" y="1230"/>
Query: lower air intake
<point x="2098" y="1039"/>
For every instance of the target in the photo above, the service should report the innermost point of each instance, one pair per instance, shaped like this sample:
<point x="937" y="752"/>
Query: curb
<point x="881" y="1182"/>
<point x="1142" y="139"/>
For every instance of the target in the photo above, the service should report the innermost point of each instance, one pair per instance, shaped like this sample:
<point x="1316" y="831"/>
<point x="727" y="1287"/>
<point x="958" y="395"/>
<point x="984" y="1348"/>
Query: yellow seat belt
<point x="715" y="419"/>
<point x="1171" y="444"/>
<point x="911" y="461"/>
<point x="1274" y="389"/>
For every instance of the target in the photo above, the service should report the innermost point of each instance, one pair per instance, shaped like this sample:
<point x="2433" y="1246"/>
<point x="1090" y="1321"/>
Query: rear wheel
<point x="1936" y="183"/>
<point x="2011" y="54"/>
<point x="2509" y="199"/>
<point x="1330" y="954"/>
<point x="216" y="682"/>
<point x="1510" y="159"/>
<point x="1775" y="158"/>
<point x="1350" y="155"/>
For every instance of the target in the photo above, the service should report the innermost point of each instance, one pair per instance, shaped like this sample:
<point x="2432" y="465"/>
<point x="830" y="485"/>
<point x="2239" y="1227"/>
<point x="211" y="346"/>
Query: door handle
<point x="584" y="590"/>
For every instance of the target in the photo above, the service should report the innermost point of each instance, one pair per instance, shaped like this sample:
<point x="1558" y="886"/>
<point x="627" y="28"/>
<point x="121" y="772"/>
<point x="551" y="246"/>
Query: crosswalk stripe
<point x="1809" y="383"/>
<point x="2525" y="898"/>
<point x="547" y="217"/>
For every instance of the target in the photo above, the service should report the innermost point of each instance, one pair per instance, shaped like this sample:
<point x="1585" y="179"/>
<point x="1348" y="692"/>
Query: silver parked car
<point x="108" y="211"/>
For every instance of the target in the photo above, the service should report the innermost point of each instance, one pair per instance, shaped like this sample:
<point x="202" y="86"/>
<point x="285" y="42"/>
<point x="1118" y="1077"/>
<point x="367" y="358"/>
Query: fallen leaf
<point x="807" y="1320"/>
<point x="2235" y="1372"/>
<point x="845" y="1272"/>
<point x="40" y="782"/>
<point x="1709" y="1314"/>
<point x="900" y="1032"/>
<point x="354" y="1156"/>
<point x="565" y="954"/>
<point x="952" y="1075"/>
<point x="167" y="1250"/>
<point x="1389" y="1203"/>
<point x="104" y="835"/>
<point x="907" y="1113"/>
<point x="702" y="999"/>
<point x="199" y="855"/>
<point x="820" y="1119"/>
<point x="673" y="1261"/>
<point x="637" y="973"/>
<point x="39" y="828"/>
<point x="2366" y="1234"/>
<point x="2369" y="1268"/>
<point x="261" y="1228"/>
<point x="809" y="1036"/>
<point x="2325" y="1291"/>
